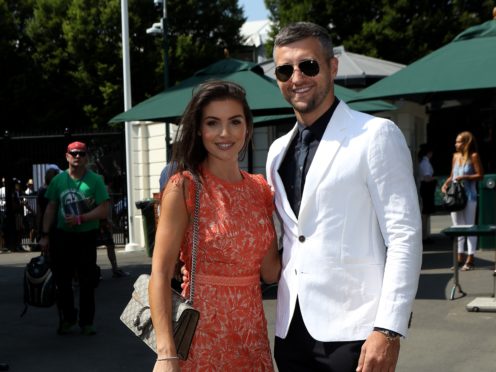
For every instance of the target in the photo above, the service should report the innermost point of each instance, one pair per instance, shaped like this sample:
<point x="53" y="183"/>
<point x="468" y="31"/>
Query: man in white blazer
<point x="350" y="221"/>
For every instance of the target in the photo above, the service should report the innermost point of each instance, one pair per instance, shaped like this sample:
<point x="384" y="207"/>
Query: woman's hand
<point x="444" y="188"/>
<point x="184" y="276"/>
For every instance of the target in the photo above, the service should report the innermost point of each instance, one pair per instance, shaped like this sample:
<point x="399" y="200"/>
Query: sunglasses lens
<point x="284" y="72"/>
<point x="309" y="68"/>
<point x="76" y="153"/>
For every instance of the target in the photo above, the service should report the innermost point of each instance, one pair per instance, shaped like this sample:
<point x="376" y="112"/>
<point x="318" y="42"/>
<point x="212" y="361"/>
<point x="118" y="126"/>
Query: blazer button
<point x="301" y="238"/>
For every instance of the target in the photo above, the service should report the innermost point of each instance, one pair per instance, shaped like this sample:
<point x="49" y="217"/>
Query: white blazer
<point x="359" y="198"/>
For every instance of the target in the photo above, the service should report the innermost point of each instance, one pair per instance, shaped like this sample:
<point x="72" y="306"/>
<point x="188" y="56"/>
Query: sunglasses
<point x="81" y="154"/>
<point x="308" y="67"/>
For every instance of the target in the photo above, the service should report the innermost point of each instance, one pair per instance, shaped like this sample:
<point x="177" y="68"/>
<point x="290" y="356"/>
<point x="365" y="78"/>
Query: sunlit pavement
<point x="444" y="335"/>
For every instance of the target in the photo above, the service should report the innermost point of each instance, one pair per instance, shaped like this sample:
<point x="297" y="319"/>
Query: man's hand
<point x="378" y="354"/>
<point x="44" y="244"/>
<point x="72" y="220"/>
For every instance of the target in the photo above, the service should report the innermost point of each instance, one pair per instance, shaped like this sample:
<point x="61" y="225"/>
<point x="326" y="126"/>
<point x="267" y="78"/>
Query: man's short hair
<point x="302" y="30"/>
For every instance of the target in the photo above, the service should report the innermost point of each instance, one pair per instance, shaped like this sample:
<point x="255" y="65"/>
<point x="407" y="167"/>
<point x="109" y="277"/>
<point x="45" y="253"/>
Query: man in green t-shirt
<point x="78" y="200"/>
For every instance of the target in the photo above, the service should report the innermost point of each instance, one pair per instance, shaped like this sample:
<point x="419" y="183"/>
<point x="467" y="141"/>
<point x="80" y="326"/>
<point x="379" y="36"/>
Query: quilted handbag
<point x="137" y="315"/>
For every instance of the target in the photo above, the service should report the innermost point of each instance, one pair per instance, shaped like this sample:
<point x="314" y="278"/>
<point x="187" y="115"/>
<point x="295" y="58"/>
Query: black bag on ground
<point x="455" y="198"/>
<point x="39" y="285"/>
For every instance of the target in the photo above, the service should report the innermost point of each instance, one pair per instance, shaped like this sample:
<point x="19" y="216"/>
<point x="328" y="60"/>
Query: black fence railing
<point x="27" y="220"/>
<point x="26" y="156"/>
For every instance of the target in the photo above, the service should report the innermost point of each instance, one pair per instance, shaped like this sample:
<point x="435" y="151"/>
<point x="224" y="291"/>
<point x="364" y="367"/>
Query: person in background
<point x="237" y="241"/>
<point x="12" y="227"/>
<point x="106" y="238"/>
<point x="78" y="200"/>
<point x="166" y="173"/>
<point x="427" y="189"/>
<point x="29" y="203"/>
<point x="466" y="167"/>
<point x="18" y="208"/>
<point x="2" y="196"/>
<point x="348" y="204"/>
<point x="29" y="187"/>
<point x="2" y="213"/>
<point x="42" y="202"/>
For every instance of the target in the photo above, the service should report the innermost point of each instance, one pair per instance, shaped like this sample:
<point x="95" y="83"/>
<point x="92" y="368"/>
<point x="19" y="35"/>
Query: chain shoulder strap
<point x="194" y="250"/>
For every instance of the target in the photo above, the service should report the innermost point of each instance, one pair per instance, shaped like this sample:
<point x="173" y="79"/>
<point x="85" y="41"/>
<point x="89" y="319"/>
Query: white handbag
<point x="137" y="315"/>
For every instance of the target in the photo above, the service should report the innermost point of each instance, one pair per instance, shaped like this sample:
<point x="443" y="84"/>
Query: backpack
<point x="39" y="285"/>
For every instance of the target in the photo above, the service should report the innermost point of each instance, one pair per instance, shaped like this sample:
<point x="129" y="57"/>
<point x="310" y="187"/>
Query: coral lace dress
<point x="235" y="232"/>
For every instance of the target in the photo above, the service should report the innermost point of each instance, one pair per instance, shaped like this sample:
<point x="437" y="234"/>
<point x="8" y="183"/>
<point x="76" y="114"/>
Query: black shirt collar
<point x="319" y="126"/>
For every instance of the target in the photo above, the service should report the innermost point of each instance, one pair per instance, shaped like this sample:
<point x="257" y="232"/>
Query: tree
<point x="19" y="77"/>
<point x="57" y="105"/>
<point x="396" y="30"/>
<point x="62" y="58"/>
<point x="199" y="32"/>
<point x="405" y="31"/>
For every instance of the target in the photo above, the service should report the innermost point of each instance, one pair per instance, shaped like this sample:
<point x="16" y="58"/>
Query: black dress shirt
<point x="288" y="168"/>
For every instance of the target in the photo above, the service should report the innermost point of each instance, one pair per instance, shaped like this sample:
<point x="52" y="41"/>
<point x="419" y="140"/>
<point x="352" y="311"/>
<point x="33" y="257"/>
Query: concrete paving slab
<point x="444" y="337"/>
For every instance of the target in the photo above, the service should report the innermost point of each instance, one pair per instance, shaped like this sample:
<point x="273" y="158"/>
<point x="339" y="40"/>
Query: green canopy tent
<point x="262" y="93"/>
<point x="348" y="95"/>
<point x="465" y="66"/>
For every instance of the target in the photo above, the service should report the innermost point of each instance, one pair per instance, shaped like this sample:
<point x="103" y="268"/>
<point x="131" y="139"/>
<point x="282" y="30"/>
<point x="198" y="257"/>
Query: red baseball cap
<point x="77" y="146"/>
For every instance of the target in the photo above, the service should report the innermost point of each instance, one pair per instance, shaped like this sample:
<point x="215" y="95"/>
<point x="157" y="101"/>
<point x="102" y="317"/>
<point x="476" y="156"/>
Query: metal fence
<point x="25" y="156"/>
<point x="28" y="219"/>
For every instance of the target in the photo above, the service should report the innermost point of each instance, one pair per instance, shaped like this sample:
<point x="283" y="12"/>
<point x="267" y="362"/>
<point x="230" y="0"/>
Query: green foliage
<point x="405" y="31"/>
<point x="397" y="30"/>
<point x="199" y="31"/>
<point x="61" y="63"/>
<point x="62" y="58"/>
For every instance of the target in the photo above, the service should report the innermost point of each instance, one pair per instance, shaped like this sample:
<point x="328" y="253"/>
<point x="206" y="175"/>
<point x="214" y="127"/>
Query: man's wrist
<point x="390" y="335"/>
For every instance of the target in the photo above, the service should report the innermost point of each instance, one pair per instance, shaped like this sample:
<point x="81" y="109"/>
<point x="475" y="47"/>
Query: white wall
<point x="260" y="149"/>
<point x="148" y="159"/>
<point x="412" y="119"/>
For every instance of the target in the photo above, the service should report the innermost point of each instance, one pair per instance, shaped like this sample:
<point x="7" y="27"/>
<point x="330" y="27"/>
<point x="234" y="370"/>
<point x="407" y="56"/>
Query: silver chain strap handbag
<point x="137" y="316"/>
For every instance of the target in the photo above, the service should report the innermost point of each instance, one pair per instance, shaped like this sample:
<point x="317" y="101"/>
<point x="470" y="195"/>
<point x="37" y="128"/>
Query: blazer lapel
<point x="278" y="184"/>
<point x="334" y="136"/>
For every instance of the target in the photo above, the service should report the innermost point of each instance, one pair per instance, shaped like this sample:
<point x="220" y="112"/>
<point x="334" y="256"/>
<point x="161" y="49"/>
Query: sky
<point x="254" y="9"/>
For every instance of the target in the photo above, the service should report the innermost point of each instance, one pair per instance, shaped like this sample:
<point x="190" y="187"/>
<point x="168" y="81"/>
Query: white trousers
<point x="466" y="217"/>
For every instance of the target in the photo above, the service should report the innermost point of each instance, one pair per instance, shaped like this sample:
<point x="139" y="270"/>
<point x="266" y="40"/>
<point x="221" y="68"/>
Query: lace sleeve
<point x="185" y="180"/>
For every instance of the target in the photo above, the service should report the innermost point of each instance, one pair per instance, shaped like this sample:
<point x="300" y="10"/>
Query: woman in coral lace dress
<point x="237" y="239"/>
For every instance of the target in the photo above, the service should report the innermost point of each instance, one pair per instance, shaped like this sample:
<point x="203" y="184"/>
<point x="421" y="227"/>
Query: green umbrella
<point x="348" y="95"/>
<point x="262" y="93"/>
<point x="464" y="66"/>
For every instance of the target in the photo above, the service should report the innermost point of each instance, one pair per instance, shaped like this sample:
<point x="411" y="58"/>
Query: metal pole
<point x="131" y="246"/>
<point x="166" y="45"/>
<point x="10" y="237"/>
<point x="166" y="75"/>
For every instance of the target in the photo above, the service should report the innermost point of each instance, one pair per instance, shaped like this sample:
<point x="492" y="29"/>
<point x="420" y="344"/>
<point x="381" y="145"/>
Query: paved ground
<point x="444" y="336"/>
